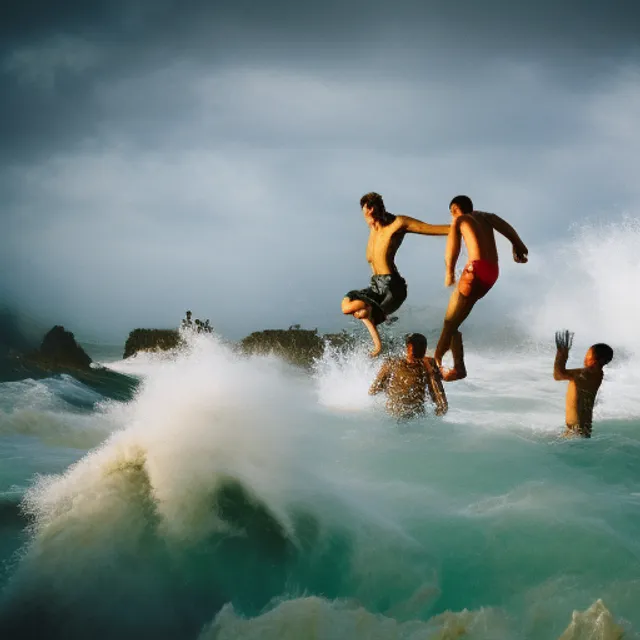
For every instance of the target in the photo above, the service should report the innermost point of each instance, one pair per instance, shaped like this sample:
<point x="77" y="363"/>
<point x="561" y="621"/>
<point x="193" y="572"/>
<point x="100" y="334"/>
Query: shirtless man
<point x="479" y="275"/>
<point x="583" y="383"/>
<point x="387" y="290"/>
<point x="407" y="379"/>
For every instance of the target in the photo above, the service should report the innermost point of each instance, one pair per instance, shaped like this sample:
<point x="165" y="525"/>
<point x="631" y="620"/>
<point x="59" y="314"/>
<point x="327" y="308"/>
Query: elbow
<point x="557" y="375"/>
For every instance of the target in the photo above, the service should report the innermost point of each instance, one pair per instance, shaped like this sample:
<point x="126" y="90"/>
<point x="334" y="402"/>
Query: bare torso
<point x="383" y="245"/>
<point x="406" y="388"/>
<point x="581" y="396"/>
<point x="479" y="237"/>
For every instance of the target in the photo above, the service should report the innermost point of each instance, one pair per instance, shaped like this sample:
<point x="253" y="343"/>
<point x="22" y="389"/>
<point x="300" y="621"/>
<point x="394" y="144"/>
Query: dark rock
<point x="300" y="347"/>
<point x="151" y="340"/>
<point x="59" y="349"/>
<point x="297" y="346"/>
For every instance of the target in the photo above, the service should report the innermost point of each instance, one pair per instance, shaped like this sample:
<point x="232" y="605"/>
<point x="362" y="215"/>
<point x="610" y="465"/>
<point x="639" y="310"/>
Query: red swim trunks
<point x="477" y="278"/>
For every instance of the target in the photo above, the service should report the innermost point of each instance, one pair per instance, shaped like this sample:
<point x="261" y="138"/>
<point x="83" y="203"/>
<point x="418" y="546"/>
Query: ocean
<point x="242" y="498"/>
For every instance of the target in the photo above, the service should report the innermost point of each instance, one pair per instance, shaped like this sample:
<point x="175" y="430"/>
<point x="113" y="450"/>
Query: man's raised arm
<point x="520" y="250"/>
<point x="564" y="339"/>
<point x="412" y="225"/>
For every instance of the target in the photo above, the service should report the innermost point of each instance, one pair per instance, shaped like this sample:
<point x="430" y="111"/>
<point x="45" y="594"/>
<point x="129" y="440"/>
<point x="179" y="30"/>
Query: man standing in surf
<point x="584" y="383"/>
<point x="476" y="228"/>
<point x="388" y="289"/>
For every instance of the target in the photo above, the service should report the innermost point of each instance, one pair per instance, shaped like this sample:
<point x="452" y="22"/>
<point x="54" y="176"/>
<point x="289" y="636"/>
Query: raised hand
<point x="564" y="340"/>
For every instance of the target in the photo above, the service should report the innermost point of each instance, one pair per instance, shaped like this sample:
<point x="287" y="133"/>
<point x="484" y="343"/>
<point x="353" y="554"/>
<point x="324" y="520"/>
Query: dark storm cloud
<point x="55" y="59"/>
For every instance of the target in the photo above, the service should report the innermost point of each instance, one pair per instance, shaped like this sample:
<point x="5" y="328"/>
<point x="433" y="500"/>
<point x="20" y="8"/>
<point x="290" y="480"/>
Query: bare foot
<point x="449" y="375"/>
<point x="375" y="352"/>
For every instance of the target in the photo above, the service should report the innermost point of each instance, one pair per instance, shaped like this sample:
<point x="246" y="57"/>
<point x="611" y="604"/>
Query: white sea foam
<point x="441" y="514"/>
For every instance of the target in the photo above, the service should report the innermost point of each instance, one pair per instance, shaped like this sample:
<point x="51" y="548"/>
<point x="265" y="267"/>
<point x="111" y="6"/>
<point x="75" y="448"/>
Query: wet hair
<point x="419" y="344"/>
<point x="464" y="202"/>
<point x="603" y="353"/>
<point x="380" y="213"/>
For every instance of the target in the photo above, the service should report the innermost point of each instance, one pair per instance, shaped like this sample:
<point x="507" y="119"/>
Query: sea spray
<point x="244" y="495"/>
<point x="219" y="486"/>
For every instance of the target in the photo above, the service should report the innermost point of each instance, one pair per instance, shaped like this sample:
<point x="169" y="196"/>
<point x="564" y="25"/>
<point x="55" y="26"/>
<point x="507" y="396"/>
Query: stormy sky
<point x="157" y="156"/>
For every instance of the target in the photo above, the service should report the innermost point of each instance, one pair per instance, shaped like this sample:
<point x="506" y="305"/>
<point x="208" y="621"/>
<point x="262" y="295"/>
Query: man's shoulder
<point x="484" y="217"/>
<point x="389" y="362"/>
<point x="399" y="222"/>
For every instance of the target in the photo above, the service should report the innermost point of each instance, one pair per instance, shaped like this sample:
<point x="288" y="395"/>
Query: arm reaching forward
<point x="412" y="225"/>
<point x="520" y="251"/>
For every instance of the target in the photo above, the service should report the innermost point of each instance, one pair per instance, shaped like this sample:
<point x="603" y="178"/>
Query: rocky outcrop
<point x="59" y="353"/>
<point x="59" y="350"/>
<point x="297" y="346"/>
<point x="300" y="347"/>
<point x="151" y="340"/>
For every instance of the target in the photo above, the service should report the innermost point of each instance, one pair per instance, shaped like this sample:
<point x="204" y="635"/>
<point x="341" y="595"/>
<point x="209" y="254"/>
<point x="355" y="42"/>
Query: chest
<point x="381" y="241"/>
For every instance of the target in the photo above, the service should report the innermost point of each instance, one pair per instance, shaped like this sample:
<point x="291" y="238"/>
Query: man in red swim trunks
<point x="479" y="275"/>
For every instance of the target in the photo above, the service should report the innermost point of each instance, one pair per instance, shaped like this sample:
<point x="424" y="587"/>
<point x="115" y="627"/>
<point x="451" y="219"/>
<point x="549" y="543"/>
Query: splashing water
<point x="236" y="498"/>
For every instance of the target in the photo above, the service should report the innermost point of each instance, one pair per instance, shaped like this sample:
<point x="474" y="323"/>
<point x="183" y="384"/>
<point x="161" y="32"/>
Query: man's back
<point x="479" y="237"/>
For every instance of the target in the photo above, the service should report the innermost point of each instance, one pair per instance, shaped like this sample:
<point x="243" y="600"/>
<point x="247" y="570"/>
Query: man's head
<point x="373" y="208"/>
<point x="460" y="205"/>
<point x="416" y="345"/>
<point x="599" y="354"/>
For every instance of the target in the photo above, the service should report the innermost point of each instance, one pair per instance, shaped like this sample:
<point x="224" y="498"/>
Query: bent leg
<point x="459" y="371"/>
<point x="362" y="311"/>
<point x="375" y="336"/>
<point x="457" y="312"/>
<point x="350" y="307"/>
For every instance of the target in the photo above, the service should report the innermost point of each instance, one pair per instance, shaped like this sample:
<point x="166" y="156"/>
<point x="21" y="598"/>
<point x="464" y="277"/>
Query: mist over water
<point x="240" y="498"/>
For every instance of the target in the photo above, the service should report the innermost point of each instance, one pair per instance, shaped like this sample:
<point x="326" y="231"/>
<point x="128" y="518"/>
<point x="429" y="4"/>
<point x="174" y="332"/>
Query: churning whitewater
<point x="240" y="498"/>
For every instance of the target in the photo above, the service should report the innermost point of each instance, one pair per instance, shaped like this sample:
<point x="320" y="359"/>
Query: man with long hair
<point x="388" y="289"/>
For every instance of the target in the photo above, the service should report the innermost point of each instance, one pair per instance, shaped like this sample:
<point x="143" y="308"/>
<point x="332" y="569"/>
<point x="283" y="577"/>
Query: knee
<point x="363" y="314"/>
<point x="346" y="306"/>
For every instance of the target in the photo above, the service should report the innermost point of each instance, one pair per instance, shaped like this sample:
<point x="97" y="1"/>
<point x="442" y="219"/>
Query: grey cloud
<point x="55" y="64"/>
<point x="212" y="155"/>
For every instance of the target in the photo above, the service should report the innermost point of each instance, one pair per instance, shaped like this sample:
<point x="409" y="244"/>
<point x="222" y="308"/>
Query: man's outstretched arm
<point x="520" y="251"/>
<point x="413" y="225"/>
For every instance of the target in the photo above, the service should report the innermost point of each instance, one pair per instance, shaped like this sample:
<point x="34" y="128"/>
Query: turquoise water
<point x="238" y="495"/>
<point x="240" y="499"/>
